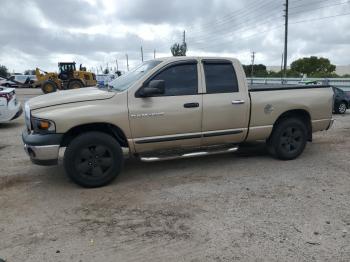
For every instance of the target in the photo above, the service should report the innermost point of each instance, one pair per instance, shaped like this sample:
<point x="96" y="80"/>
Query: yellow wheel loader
<point x="67" y="78"/>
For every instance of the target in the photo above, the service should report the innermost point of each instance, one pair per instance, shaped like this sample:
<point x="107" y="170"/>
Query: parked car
<point x="25" y="81"/>
<point x="341" y="101"/>
<point x="23" y="78"/>
<point x="177" y="107"/>
<point x="309" y="82"/>
<point x="10" y="108"/>
<point x="7" y="83"/>
<point x="104" y="79"/>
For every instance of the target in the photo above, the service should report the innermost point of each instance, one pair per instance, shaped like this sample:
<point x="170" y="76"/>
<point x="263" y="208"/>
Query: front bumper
<point x="331" y="124"/>
<point x="42" y="149"/>
<point x="18" y="114"/>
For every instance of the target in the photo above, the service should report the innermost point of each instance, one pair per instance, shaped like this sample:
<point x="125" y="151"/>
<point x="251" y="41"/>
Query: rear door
<point x="171" y="120"/>
<point x="226" y="103"/>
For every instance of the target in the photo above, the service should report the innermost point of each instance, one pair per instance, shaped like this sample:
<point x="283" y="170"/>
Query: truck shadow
<point x="135" y="171"/>
<point x="10" y="125"/>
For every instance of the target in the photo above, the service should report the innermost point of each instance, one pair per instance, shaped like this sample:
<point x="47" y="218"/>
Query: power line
<point x="321" y="7"/>
<point x="320" y="18"/>
<point x="245" y="27"/>
<point x="245" y="13"/>
<point x="238" y="27"/>
<point x="231" y="15"/>
<point x="307" y="4"/>
<point x="204" y="47"/>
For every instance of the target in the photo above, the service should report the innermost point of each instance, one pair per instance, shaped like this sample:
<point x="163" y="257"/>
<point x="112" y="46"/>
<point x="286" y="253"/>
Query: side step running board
<point x="188" y="155"/>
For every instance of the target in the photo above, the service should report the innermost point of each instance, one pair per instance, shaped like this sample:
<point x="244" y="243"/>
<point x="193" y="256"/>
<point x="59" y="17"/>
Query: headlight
<point x="43" y="126"/>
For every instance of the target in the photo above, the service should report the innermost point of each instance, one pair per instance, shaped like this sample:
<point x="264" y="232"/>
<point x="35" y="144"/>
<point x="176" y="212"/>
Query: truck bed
<point x="275" y="87"/>
<point x="269" y="102"/>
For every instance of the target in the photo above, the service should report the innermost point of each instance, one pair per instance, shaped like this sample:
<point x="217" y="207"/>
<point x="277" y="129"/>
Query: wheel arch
<point x="301" y="114"/>
<point x="107" y="128"/>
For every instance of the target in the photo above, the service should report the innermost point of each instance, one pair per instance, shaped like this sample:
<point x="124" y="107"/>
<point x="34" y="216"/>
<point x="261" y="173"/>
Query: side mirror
<point x="155" y="87"/>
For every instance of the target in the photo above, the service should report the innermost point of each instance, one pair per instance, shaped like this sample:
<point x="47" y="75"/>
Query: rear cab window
<point x="220" y="77"/>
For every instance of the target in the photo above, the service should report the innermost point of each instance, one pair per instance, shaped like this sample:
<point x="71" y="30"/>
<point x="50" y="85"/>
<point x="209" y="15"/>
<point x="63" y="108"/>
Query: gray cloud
<point x="36" y="31"/>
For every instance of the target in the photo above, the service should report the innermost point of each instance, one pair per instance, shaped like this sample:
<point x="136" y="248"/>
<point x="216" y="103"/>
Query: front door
<point x="171" y="120"/>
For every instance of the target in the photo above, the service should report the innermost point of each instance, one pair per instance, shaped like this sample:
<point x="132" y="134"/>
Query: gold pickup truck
<point x="169" y="108"/>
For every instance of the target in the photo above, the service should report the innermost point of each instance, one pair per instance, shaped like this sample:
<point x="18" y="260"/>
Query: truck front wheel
<point x="93" y="159"/>
<point x="288" y="139"/>
<point x="49" y="86"/>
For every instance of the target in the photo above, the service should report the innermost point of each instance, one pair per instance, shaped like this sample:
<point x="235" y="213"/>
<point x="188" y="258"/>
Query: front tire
<point x="49" y="87"/>
<point x="93" y="159"/>
<point x="288" y="139"/>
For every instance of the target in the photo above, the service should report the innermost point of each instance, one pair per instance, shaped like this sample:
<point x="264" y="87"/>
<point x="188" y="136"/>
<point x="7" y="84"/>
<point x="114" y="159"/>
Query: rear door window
<point x="220" y="77"/>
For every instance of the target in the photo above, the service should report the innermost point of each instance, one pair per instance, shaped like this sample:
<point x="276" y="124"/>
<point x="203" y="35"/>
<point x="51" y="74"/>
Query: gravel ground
<point x="237" y="207"/>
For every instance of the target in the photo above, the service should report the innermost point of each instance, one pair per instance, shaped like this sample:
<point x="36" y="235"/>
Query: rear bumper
<point x="12" y="112"/>
<point x="42" y="149"/>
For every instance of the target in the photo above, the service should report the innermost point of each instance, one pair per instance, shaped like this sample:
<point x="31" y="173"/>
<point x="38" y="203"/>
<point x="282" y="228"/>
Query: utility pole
<point x="252" y="71"/>
<point x="184" y="41"/>
<point x="141" y="54"/>
<point x="127" y="62"/>
<point x="286" y="39"/>
<point x="154" y="54"/>
<point x="282" y="67"/>
<point x="116" y="62"/>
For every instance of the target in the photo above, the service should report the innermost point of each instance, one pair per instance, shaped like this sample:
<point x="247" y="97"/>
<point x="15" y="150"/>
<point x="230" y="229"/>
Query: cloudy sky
<point x="96" y="32"/>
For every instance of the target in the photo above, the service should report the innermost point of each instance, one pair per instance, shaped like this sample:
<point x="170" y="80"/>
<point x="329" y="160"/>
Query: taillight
<point x="8" y="96"/>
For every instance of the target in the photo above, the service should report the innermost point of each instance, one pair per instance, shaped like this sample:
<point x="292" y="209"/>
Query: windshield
<point x="125" y="81"/>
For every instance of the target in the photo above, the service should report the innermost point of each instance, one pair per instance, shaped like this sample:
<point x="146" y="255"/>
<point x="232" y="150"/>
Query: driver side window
<point x="180" y="80"/>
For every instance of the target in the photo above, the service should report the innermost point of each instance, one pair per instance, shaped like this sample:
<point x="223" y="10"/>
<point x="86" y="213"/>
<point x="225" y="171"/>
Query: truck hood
<point x="69" y="96"/>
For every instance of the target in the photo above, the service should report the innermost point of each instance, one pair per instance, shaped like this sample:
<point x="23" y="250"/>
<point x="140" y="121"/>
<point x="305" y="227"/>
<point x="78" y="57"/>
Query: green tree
<point x="4" y="71"/>
<point x="259" y="70"/>
<point x="179" y="49"/>
<point x="106" y="71"/>
<point x="29" y="72"/>
<point x="314" y="67"/>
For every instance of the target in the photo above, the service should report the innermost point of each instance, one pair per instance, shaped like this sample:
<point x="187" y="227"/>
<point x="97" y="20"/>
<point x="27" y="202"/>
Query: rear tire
<point x="93" y="159"/>
<point x="288" y="139"/>
<point x="341" y="108"/>
<point x="75" y="84"/>
<point x="49" y="87"/>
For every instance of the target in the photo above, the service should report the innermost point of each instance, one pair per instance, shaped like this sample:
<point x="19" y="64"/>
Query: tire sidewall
<point x="96" y="138"/>
<point x="339" y="108"/>
<point x="54" y="87"/>
<point x="75" y="82"/>
<point x="277" y="134"/>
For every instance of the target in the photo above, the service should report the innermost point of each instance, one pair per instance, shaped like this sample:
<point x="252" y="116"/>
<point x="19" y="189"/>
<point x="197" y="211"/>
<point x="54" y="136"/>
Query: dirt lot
<point x="238" y="207"/>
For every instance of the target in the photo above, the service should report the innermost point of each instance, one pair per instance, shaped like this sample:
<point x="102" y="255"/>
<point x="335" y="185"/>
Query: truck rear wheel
<point x="49" y="87"/>
<point x="75" y="84"/>
<point x="288" y="139"/>
<point x="93" y="159"/>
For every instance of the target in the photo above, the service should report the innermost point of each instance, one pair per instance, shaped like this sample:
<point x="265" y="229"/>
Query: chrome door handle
<point x="238" y="102"/>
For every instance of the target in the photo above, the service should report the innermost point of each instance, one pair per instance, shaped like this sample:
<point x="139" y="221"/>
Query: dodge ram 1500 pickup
<point x="169" y="108"/>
